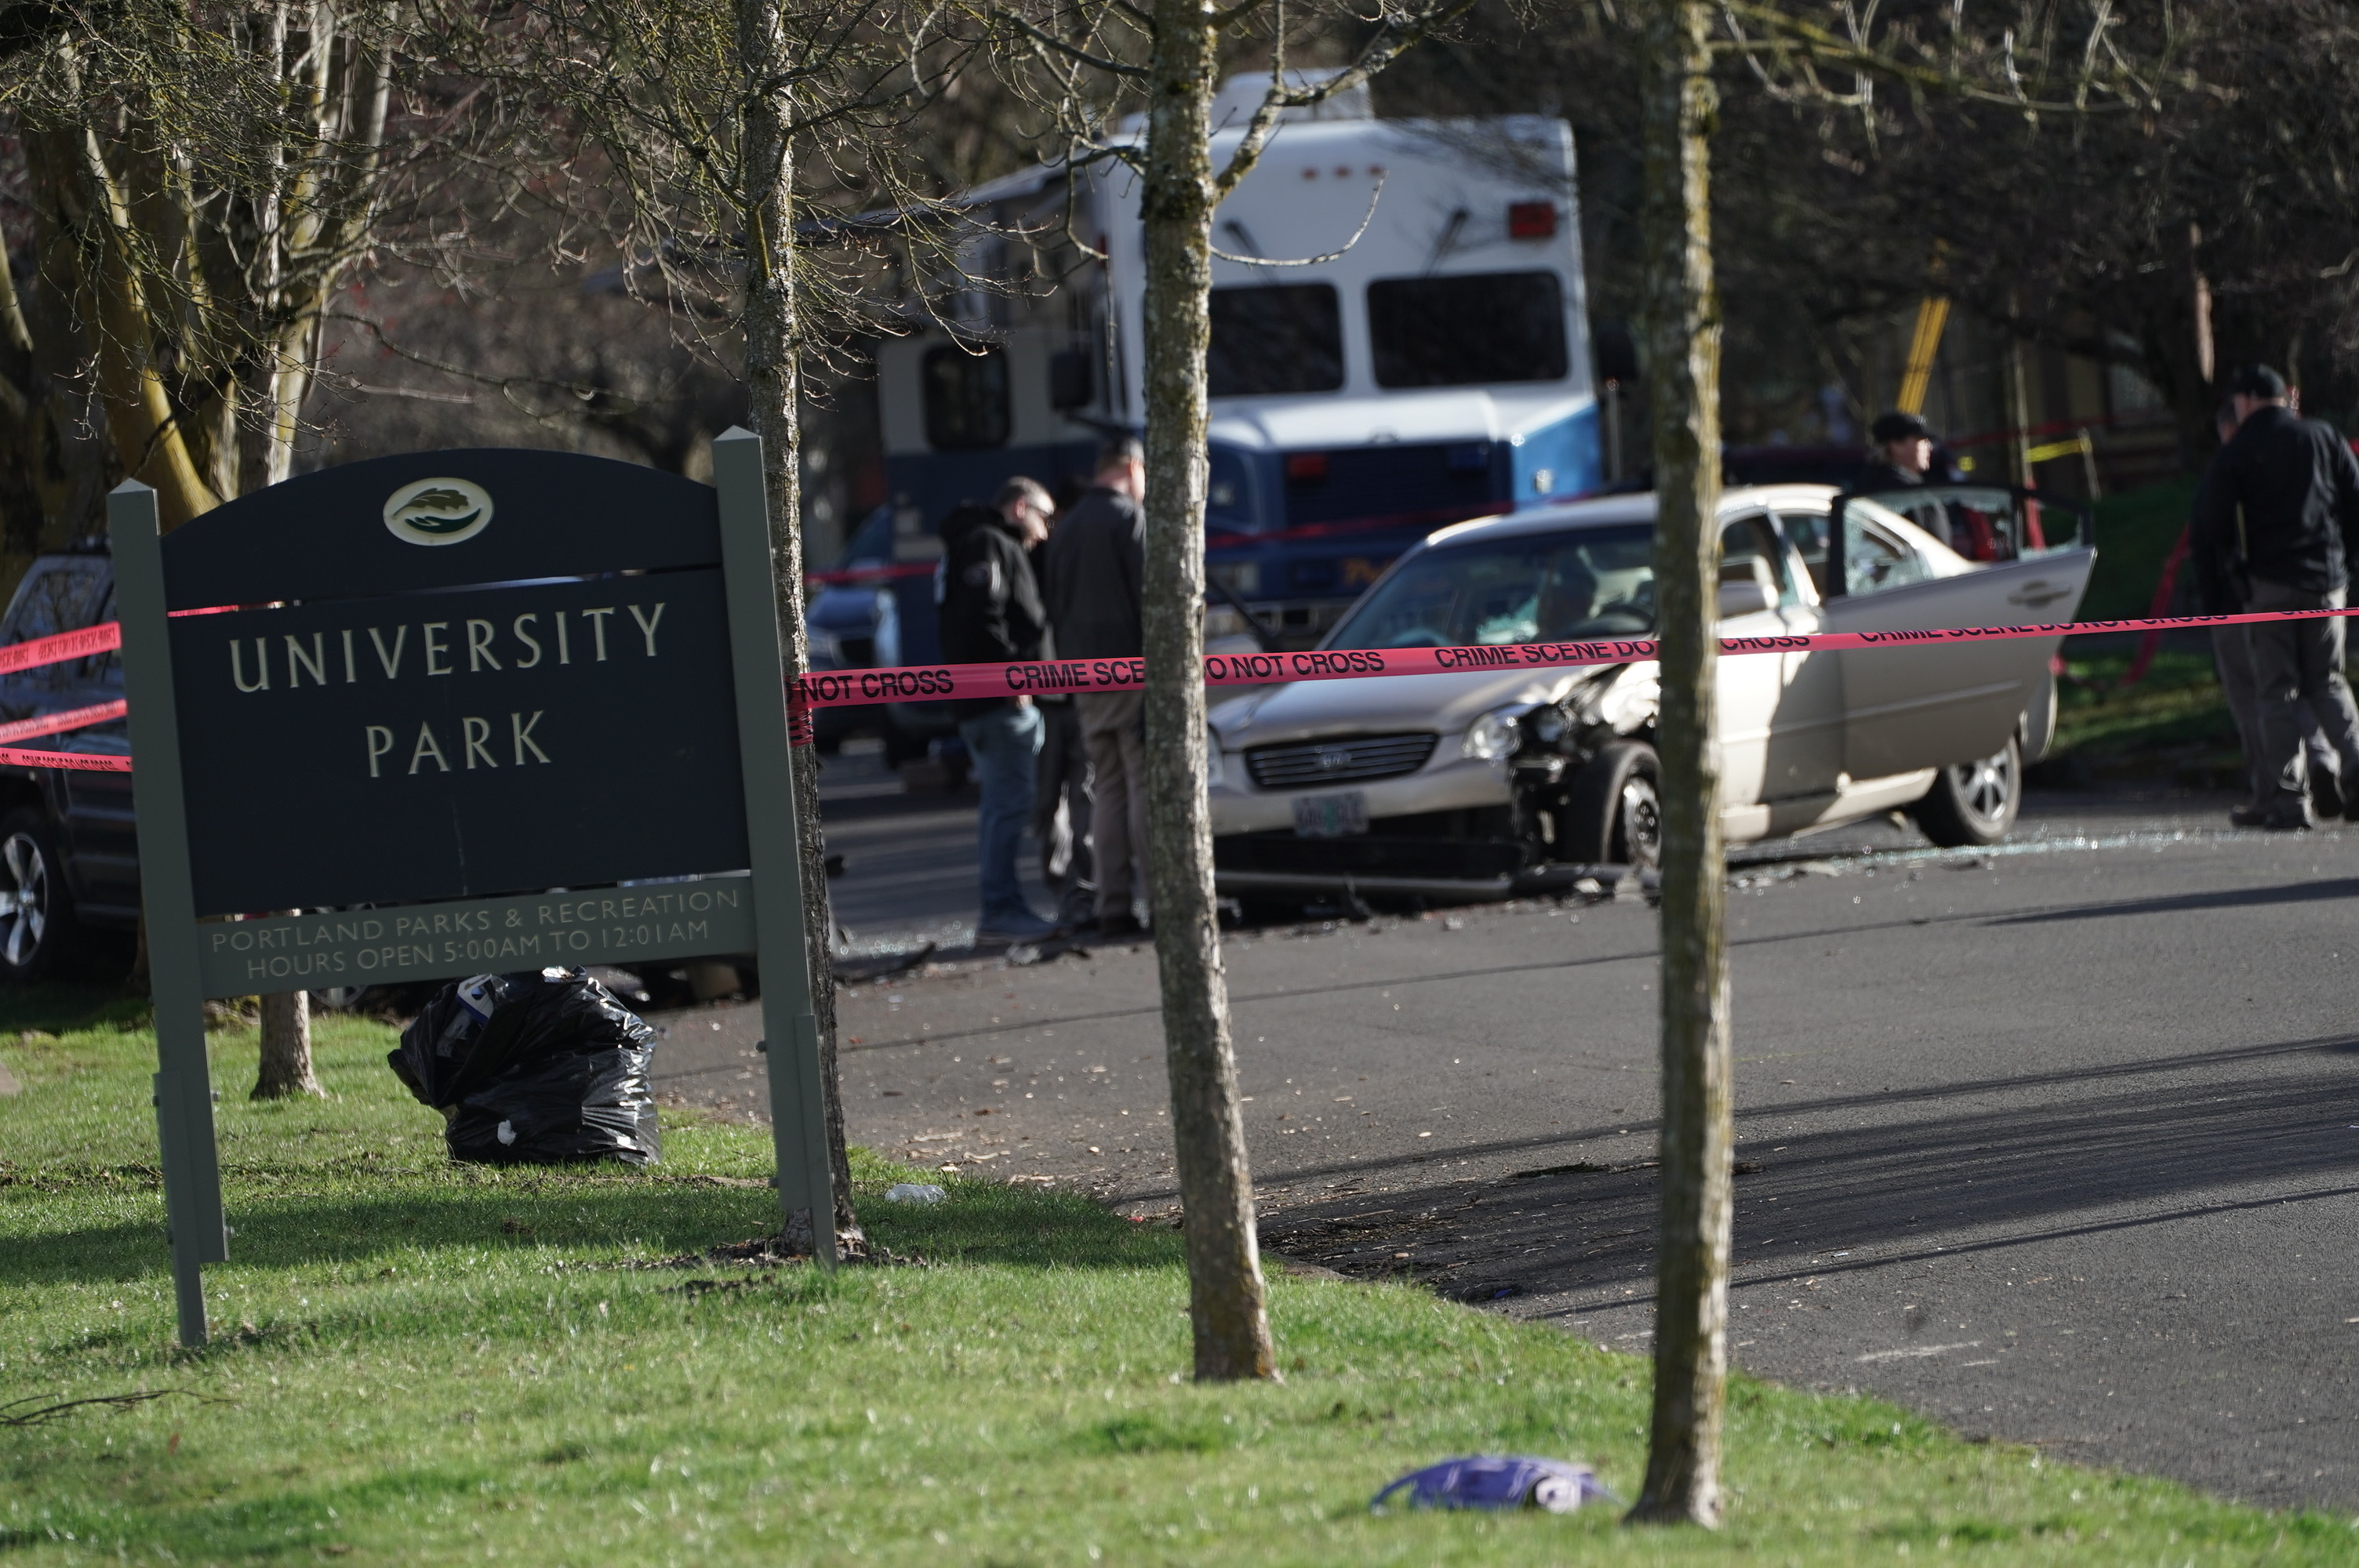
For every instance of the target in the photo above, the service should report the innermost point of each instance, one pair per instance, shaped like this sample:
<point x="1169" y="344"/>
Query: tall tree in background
<point x="2096" y="228"/>
<point x="197" y="181"/>
<point x="1085" y="62"/>
<point x="749" y="159"/>
<point x="2065" y="219"/>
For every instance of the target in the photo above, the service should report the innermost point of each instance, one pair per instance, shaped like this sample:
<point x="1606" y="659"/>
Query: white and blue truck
<point x="1430" y="363"/>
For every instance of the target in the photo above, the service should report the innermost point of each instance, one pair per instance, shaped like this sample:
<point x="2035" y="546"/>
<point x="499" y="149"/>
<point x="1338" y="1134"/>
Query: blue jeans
<point x="1006" y="746"/>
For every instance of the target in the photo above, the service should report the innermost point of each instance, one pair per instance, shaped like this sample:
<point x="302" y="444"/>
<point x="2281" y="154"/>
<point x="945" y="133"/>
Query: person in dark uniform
<point x="991" y="613"/>
<point x="1907" y="459"/>
<point x="2294" y="486"/>
<point x="1904" y="455"/>
<point x="2219" y="578"/>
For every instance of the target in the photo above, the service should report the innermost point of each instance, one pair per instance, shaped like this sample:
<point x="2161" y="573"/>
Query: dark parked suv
<point x="68" y="850"/>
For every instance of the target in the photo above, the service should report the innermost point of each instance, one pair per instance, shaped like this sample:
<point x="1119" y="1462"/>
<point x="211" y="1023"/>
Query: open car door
<point x="1909" y="708"/>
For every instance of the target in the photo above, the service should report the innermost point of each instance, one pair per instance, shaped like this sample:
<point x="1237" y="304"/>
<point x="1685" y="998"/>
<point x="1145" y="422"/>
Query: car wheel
<point x="37" y="924"/>
<point x="1974" y="803"/>
<point x="1614" y="814"/>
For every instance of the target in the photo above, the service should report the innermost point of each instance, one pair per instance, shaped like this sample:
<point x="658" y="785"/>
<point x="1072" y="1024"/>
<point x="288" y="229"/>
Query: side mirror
<point x="1744" y="596"/>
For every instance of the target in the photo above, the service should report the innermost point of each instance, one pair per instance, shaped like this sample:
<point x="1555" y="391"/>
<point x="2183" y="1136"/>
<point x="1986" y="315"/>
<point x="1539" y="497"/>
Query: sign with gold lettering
<point x="427" y="745"/>
<point x="460" y="712"/>
<point x="540" y="696"/>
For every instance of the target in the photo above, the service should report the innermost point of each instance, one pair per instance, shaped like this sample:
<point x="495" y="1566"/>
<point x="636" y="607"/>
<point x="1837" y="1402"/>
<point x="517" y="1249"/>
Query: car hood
<point x="1446" y="704"/>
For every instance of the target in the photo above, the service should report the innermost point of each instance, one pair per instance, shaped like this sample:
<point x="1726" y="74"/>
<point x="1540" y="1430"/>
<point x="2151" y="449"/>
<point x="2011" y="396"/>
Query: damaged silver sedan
<point x="1482" y="783"/>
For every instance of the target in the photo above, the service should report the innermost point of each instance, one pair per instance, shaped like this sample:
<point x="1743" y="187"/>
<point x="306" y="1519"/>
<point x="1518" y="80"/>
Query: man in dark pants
<point x="2295" y="486"/>
<point x="991" y="613"/>
<point x="1097" y="565"/>
<point x="2218" y="591"/>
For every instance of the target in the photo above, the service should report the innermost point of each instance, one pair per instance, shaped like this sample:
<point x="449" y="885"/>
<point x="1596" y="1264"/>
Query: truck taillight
<point x="1531" y="220"/>
<point x="1305" y="468"/>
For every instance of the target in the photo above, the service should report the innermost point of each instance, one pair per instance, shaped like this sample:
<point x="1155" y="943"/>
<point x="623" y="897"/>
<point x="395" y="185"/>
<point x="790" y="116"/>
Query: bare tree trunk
<point x="71" y="166"/>
<point x="286" y="1048"/>
<point x="772" y="383"/>
<point x="1684" y="341"/>
<point x="2192" y="370"/>
<point x="1224" y="1283"/>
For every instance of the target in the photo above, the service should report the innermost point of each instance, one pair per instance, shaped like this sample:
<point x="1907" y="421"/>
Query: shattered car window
<point x="1536" y="588"/>
<point x="1874" y="559"/>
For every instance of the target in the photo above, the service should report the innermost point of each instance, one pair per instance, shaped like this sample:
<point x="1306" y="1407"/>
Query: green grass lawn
<point x="2173" y="722"/>
<point x="2136" y="532"/>
<point x="2172" y="726"/>
<point x="418" y="1362"/>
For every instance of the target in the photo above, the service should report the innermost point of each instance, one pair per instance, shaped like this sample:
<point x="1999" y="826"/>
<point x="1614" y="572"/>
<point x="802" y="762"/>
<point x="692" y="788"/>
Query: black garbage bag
<point x="543" y="1067"/>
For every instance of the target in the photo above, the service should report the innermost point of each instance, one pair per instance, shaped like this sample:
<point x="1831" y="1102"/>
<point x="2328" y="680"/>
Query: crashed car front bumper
<point x="1445" y="830"/>
<point x="1448" y="782"/>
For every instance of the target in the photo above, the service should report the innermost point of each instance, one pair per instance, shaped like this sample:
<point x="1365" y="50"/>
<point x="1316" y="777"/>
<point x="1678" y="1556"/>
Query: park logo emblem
<point x="437" y="512"/>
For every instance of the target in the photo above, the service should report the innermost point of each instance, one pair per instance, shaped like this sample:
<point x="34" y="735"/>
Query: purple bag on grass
<point x="1497" y="1481"/>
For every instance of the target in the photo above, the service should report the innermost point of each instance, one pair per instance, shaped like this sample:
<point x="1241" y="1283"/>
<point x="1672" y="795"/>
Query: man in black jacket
<point x="1097" y="564"/>
<point x="2218" y="591"/>
<point x="2277" y="517"/>
<point x="991" y="613"/>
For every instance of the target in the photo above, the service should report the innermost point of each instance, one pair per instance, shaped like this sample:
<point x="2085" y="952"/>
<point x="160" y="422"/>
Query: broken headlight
<point x="1494" y="735"/>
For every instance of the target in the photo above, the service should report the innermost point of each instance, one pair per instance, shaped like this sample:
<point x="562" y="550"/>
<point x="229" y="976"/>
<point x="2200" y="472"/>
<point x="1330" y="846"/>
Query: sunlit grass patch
<point x="417" y="1362"/>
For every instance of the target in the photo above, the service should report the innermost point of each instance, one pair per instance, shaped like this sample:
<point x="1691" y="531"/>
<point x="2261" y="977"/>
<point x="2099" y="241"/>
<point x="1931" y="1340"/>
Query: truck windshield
<point x="1467" y="331"/>
<point x="1534" y="588"/>
<point x="1278" y="339"/>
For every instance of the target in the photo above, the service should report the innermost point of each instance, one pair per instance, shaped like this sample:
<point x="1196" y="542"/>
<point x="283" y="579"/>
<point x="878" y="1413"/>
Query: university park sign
<point x="462" y="711"/>
<point x="524" y="683"/>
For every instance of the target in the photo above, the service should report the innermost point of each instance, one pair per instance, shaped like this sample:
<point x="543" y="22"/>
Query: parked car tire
<point x="37" y="920"/>
<point x="1614" y="813"/>
<point x="1973" y="803"/>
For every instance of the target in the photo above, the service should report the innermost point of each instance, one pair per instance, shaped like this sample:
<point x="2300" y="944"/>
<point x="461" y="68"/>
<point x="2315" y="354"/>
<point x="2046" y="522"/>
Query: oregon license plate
<point x="1330" y="816"/>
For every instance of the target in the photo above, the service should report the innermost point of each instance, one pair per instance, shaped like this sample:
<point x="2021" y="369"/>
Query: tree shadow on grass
<point x="85" y="1000"/>
<point x="646" y="1215"/>
<point x="1013" y="1227"/>
<point x="284" y="1230"/>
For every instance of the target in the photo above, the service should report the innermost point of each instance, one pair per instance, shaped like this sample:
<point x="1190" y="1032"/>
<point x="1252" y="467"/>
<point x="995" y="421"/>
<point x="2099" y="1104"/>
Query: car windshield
<point x="1530" y="588"/>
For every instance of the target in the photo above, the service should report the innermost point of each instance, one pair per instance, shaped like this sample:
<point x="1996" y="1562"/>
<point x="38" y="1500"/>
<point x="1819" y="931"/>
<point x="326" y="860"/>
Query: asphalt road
<point x="2058" y="1143"/>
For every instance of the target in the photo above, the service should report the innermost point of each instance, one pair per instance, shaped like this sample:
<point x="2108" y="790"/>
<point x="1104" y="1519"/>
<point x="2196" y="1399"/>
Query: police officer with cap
<point x="1907" y="460"/>
<point x="2293" y="486"/>
<point x="1904" y="447"/>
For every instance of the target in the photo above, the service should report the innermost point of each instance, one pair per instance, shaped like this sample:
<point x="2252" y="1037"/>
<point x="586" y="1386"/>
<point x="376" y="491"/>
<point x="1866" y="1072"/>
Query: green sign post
<point x="383" y="696"/>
